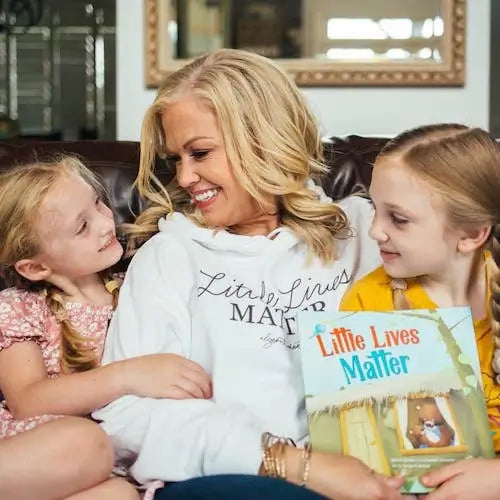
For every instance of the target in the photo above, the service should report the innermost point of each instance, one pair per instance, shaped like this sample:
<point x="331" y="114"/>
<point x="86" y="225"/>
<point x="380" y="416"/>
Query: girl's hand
<point x="472" y="478"/>
<point x="166" y="376"/>
<point x="343" y="477"/>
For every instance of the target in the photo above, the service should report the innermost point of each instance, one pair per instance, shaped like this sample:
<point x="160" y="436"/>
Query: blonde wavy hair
<point x="22" y="191"/>
<point x="463" y="165"/>
<point x="271" y="139"/>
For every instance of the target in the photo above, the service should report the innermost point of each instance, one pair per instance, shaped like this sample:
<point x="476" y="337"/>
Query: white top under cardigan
<point x="229" y="303"/>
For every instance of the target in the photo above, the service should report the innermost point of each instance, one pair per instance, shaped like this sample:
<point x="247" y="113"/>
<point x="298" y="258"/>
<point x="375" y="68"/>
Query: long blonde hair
<point x="271" y="138"/>
<point x="22" y="190"/>
<point x="463" y="165"/>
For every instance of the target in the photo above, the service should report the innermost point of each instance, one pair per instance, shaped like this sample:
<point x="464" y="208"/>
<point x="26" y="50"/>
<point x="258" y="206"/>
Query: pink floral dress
<point x="25" y="316"/>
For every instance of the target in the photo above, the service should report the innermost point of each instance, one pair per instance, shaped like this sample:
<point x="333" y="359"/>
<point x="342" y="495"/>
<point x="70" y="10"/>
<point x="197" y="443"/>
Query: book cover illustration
<point x="399" y="390"/>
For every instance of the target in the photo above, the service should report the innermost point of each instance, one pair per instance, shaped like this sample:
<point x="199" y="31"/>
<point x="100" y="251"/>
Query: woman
<point x="243" y="242"/>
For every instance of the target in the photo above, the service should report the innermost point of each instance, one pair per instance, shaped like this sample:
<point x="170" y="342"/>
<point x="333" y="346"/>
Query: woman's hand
<point x="165" y="376"/>
<point x="343" y="477"/>
<point x="472" y="478"/>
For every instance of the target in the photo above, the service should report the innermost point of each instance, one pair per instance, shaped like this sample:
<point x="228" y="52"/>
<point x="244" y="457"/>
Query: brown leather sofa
<point x="116" y="163"/>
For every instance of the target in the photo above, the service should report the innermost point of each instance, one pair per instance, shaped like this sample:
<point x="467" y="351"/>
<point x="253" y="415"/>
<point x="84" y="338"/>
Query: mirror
<point x="320" y="42"/>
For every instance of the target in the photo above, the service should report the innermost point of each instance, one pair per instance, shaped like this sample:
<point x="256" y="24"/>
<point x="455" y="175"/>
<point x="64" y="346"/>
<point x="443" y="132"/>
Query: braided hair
<point x="495" y="298"/>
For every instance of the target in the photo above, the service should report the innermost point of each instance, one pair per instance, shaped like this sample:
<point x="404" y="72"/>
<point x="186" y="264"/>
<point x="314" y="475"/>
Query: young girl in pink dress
<point x="58" y="238"/>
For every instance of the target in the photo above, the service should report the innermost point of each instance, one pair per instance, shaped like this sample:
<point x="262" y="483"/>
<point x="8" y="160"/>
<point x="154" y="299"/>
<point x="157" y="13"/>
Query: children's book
<point x="399" y="390"/>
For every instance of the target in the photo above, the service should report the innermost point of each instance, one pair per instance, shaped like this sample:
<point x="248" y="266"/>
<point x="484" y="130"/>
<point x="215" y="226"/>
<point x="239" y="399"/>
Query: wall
<point x="341" y="111"/>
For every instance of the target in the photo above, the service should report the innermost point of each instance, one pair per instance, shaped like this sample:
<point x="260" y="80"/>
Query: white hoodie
<point x="229" y="303"/>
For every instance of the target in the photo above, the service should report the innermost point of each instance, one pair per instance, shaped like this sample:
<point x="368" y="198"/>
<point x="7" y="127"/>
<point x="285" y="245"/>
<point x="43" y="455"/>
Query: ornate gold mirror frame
<point x="448" y="71"/>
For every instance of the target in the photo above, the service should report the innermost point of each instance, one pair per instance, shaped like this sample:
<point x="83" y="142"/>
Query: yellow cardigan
<point x="374" y="293"/>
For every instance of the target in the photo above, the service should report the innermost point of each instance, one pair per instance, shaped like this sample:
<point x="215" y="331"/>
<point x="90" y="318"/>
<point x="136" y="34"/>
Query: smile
<point x="388" y="256"/>
<point x="108" y="243"/>
<point x="202" y="197"/>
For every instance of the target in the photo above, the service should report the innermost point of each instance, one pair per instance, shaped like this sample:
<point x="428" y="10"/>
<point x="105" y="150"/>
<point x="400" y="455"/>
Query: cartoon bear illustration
<point x="432" y="430"/>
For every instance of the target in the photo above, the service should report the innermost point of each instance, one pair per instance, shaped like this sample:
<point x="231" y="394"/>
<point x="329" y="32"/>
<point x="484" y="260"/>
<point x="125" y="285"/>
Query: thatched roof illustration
<point x="431" y="384"/>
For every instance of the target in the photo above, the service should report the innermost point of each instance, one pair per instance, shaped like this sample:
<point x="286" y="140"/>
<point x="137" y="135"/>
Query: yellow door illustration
<point x="361" y="439"/>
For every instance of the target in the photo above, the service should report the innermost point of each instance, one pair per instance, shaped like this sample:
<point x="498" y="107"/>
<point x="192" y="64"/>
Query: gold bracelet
<point x="273" y="454"/>
<point x="280" y="458"/>
<point x="267" y="456"/>
<point x="306" y="457"/>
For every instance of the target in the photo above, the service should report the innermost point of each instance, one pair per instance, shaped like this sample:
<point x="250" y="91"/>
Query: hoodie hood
<point x="223" y="241"/>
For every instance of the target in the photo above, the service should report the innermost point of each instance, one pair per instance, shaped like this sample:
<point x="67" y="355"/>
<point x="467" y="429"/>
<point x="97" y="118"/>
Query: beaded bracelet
<point x="306" y="460"/>
<point x="273" y="454"/>
<point x="274" y="460"/>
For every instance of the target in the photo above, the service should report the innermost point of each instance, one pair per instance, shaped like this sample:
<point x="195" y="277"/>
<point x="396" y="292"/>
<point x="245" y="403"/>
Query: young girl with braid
<point x="436" y="193"/>
<point x="57" y="240"/>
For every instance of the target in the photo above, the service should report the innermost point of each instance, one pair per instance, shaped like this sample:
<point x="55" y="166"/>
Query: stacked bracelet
<point x="273" y="454"/>
<point x="274" y="460"/>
